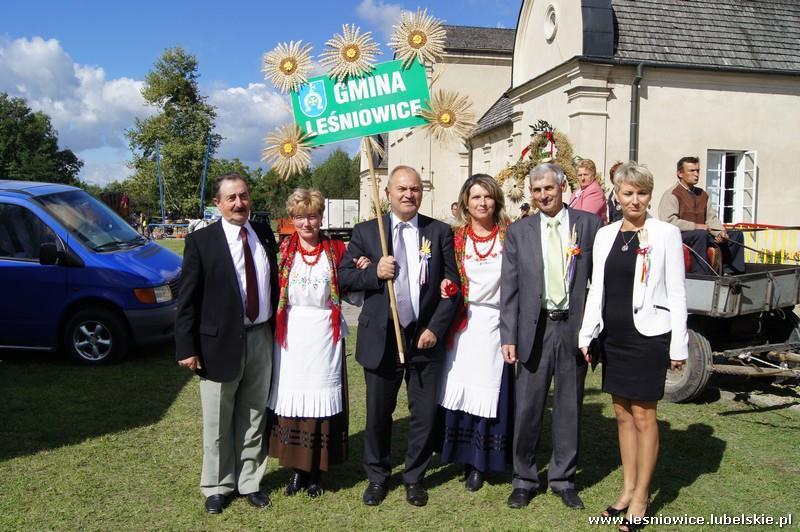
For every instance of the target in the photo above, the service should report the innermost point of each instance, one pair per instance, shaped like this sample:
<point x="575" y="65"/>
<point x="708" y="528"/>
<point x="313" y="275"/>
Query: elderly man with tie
<point x="224" y="334"/>
<point x="422" y="255"/>
<point x="546" y="267"/>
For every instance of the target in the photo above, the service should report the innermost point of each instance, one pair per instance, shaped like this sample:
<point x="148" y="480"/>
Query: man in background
<point x="688" y="207"/>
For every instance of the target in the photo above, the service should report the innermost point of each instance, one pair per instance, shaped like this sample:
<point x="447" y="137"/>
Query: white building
<point x="650" y="80"/>
<point x="655" y="80"/>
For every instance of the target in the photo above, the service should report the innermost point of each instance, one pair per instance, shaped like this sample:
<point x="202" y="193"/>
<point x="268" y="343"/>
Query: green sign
<point x="389" y="98"/>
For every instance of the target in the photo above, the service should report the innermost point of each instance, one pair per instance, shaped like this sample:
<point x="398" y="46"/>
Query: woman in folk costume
<point x="308" y="396"/>
<point x="477" y="395"/>
<point x="637" y="308"/>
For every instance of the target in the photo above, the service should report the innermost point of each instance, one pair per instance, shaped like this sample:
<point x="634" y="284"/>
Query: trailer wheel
<point x="690" y="381"/>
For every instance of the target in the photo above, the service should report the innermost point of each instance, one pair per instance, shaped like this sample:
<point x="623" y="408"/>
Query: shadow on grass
<point x="685" y="456"/>
<point x="49" y="402"/>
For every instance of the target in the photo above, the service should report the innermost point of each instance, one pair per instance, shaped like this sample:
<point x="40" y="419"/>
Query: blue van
<point x="75" y="276"/>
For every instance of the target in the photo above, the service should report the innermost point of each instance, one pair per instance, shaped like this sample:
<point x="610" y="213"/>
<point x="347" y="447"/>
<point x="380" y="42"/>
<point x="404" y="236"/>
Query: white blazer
<point x="659" y="302"/>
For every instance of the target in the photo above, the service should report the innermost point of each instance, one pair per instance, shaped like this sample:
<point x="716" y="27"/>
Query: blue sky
<point x="82" y="62"/>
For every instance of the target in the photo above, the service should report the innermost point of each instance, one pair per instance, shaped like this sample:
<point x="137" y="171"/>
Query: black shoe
<point x="520" y="498"/>
<point x="416" y="494"/>
<point x="315" y="490"/>
<point x="259" y="499"/>
<point x="297" y="482"/>
<point x="634" y="527"/>
<point x="374" y="494"/>
<point x="315" y="485"/>
<point x="570" y="498"/>
<point x="613" y="512"/>
<point x="216" y="503"/>
<point x="474" y="480"/>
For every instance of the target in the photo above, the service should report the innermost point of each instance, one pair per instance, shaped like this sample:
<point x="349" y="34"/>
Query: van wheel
<point x="687" y="383"/>
<point x="95" y="336"/>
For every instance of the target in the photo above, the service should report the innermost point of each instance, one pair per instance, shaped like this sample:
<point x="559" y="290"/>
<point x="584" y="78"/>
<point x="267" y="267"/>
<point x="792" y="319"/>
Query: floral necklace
<point x="482" y="239"/>
<point x="315" y="253"/>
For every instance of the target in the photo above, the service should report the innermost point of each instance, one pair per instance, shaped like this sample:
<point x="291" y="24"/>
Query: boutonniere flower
<point x="645" y="250"/>
<point x="573" y="250"/>
<point x="424" y="256"/>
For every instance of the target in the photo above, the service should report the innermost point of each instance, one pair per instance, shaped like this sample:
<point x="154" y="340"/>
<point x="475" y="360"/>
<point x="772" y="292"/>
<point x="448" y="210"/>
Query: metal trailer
<point x="741" y="325"/>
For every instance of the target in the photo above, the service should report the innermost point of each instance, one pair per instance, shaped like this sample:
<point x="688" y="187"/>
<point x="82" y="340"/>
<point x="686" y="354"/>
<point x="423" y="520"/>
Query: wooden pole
<point x="376" y="203"/>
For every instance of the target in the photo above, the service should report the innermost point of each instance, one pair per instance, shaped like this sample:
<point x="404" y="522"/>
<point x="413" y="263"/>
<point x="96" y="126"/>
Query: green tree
<point x="337" y="176"/>
<point x="181" y="128"/>
<point x="271" y="193"/>
<point x="29" y="146"/>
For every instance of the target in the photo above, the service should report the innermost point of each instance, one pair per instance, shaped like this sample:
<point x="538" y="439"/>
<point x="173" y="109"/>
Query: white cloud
<point x="87" y="110"/>
<point x="104" y="165"/>
<point x="381" y="15"/>
<point x="91" y="112"/>
<point x="245" y="116"/>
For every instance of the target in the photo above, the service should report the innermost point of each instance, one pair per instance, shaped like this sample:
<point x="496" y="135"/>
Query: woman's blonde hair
<point x="588" y="164"/>
<point x="489" y="184"/>
<point x="305" y="201"/>
<point x="634" y="174"/>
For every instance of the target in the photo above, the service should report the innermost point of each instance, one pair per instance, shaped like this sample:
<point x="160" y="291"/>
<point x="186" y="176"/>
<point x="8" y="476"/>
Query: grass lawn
<point x="119" y="447"/>
<point x="174" y="244"/>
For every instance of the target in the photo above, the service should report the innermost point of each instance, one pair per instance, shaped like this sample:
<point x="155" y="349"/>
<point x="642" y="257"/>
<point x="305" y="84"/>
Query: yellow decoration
<point x="449" y="116"/>
<point x="287" y="150"/>
<point x="288" y="65"/>
<point x="564" y="155"/>
<point x="349" y="53"/>
<point x="418" y="36"/>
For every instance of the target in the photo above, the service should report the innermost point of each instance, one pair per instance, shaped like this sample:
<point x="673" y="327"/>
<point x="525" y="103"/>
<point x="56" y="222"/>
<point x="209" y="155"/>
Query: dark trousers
<point x="732" y="252"/>
<point x="423" y="382"/>
<point x="555" y="357"/>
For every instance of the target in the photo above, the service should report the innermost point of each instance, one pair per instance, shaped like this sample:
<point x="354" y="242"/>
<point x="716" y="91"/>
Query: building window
<point x="550" y="23"/>
<point x="732" y="184"/>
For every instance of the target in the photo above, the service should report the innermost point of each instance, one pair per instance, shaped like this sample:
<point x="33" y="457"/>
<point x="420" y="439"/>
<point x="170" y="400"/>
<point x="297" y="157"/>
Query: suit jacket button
<point x="636" y="311"/>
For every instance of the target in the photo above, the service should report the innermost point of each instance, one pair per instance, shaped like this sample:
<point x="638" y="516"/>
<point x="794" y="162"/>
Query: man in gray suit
<point x="547" y="262"/>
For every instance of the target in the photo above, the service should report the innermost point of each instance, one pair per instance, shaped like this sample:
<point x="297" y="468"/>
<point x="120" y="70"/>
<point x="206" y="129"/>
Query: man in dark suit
<point x="417" y="270"/>
<point x="547" y="262"/>
<point x="223" y="332"/>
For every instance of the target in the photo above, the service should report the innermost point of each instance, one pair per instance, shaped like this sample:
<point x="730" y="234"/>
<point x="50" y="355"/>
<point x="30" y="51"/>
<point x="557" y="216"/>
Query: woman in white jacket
<point x="636" y="308"/>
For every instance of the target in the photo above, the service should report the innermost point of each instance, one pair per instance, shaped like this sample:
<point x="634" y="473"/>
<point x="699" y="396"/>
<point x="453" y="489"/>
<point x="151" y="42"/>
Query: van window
<point x="90" y="221"/>
<point x="21" y="233"/>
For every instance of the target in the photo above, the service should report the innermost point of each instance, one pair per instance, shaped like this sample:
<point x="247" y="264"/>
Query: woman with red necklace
<point x="308" y="395"/>
<point x="477" y="396"/>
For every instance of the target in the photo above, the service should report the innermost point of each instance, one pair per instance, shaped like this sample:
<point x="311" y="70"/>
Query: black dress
<point x="635" y="365"/>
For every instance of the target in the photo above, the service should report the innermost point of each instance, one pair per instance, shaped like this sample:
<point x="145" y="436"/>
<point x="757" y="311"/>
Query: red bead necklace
<point x="481" y="239"/>
<point x="316" y="253"/>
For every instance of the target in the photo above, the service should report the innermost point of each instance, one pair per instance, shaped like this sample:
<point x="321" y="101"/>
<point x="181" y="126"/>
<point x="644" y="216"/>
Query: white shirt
<point x="411" y="239"/>
<point x="259" y="260"/>
<point x="563" y="218"/>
